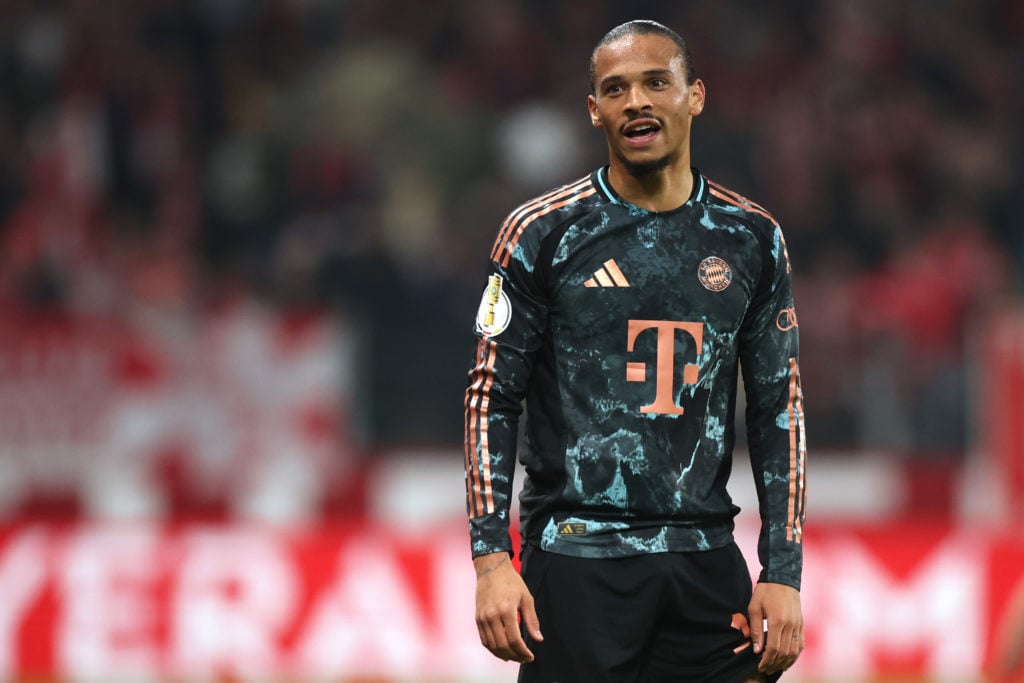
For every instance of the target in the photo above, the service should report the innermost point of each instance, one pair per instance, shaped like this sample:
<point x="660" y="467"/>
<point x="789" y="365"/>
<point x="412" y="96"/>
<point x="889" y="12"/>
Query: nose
<point x="637" y="100"/>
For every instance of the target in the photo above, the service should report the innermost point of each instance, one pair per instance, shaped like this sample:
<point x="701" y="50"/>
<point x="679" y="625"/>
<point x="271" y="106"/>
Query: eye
<point x="658" y="83"/>
<point x="614" y="89"/>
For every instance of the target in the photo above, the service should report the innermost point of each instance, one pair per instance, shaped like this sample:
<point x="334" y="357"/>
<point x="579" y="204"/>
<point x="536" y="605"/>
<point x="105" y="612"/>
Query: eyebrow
<point x="650" y="73"/>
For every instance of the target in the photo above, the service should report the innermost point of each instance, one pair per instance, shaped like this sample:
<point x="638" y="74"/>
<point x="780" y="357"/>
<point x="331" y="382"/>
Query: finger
<point x="530" y="620"/>
<point x="757" y="627"/>
<point x="516" y="645"/>
<point x="497" y="637"/>
<point x="790" y="645"/>
<point x="487" y="637"/>
<point x="796" y="646"/>
<point x="772" y="646"/>
<point x="483" y="630"/>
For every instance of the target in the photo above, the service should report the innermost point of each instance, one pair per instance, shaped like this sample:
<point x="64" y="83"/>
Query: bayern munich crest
<point x="714" y="273"/>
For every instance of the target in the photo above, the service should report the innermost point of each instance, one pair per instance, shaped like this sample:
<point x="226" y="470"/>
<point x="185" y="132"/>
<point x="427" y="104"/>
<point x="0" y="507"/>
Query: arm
<point x="509" y="326"/>
<point x="769" y="351"/>
<point x="501" y="596"/>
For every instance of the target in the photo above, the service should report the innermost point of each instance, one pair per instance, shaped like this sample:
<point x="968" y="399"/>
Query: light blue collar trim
<point x="602" y="179"/>
<point x="606" y="186"/>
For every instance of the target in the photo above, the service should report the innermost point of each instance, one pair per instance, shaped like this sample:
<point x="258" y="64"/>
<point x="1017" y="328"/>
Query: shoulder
<point x="721" y="198"/>
<point x="533" y="220"/>
<point x="762" y="224"/>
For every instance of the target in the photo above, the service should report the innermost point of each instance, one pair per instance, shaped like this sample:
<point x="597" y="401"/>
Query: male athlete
<point x="621" y="309"/>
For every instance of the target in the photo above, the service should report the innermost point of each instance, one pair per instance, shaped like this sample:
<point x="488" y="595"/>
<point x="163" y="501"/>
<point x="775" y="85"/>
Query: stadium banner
<point x="94" y="601"/>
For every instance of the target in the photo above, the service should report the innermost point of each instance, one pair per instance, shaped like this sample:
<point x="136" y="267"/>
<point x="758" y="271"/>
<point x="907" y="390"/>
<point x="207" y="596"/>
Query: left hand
<point x="780" y="646"/>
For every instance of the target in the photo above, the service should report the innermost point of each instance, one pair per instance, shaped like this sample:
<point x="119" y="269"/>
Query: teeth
<point x="640" y="130"/>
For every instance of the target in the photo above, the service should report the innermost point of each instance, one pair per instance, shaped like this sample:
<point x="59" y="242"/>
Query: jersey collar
<point x="604" y="187"/>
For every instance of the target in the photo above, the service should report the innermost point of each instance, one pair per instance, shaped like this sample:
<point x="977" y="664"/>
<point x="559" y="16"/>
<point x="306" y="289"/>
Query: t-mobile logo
<point x="664" y="362"/>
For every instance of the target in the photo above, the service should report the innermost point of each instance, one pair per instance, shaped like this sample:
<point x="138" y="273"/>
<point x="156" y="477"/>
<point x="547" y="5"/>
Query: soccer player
<point x="621" y="308"/>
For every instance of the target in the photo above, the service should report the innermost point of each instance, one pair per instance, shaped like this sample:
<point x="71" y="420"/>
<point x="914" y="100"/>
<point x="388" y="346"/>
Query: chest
<point x="617" y="266"/>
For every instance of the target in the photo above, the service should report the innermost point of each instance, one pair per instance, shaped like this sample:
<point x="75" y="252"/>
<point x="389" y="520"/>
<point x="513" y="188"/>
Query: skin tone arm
<point x="784" y="641"/>
<point x="501" y="599"/>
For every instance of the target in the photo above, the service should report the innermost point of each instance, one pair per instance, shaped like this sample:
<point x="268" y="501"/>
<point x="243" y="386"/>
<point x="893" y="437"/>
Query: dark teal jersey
<point x="623" y="332"/>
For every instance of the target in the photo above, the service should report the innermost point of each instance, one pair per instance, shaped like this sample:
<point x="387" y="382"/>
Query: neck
<point x="661" y="190"/>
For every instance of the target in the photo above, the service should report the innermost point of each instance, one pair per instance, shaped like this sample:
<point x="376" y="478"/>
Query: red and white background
<point x="90" y="601"/>
<point x="262" y="574"/>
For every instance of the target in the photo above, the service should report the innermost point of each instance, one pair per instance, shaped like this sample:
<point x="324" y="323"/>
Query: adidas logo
<point x="608" y="275"/>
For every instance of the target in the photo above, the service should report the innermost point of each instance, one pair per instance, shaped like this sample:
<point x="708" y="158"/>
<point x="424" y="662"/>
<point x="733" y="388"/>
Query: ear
<point x="595" y="118"/>
<point x="697" y="95"/>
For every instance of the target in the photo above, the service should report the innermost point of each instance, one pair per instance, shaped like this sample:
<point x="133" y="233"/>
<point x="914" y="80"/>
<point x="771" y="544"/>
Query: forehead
<point x="636" y="53"/>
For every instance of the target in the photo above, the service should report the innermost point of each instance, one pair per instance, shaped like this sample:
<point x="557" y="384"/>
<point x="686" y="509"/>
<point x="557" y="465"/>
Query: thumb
<point x="756" y="626"/>
<point x="530" y="620"/>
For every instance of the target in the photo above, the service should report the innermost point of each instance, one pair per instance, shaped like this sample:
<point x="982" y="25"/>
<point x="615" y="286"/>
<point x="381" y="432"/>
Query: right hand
<point x="501" y="599"/>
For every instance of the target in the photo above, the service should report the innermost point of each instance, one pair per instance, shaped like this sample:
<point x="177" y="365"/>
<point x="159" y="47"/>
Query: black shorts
<point x="660" y="618"/>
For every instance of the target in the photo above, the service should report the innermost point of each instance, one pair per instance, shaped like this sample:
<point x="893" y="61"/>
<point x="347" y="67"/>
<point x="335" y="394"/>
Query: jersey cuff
<point x="785" y="578"/>
<point x="483" y="547"/>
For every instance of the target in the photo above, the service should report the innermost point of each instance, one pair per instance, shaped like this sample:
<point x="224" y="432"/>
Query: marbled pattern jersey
<point x="624" y="332"/>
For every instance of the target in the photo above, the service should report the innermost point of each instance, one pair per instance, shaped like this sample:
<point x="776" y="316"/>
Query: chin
<point x="639" y="168"/>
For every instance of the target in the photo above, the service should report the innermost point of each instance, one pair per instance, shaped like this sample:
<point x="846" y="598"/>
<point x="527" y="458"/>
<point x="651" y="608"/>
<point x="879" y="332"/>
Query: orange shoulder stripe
<point x="521" y="211"/>
<point x="737" y="196"/>
<point x="509" y="227"/>
<point x="739" y="200"/>
<point x="514" y="239"/>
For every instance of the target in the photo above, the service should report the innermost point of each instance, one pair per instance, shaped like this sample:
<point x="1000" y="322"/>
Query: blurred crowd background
<point x="242" y="242"/>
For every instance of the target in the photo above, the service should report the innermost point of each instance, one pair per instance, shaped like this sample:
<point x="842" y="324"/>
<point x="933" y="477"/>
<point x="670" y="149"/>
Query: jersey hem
<point x="562" y="539"/>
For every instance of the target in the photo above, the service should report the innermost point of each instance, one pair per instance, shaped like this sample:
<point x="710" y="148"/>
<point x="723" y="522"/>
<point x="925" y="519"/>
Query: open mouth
<point x="640" y="132"/>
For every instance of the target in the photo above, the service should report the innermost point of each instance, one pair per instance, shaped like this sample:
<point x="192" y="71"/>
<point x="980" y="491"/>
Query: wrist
<point x="485" y="564"/>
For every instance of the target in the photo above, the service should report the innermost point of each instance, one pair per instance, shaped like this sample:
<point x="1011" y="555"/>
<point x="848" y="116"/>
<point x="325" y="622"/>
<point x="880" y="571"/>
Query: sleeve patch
<point x="495" y="312"/>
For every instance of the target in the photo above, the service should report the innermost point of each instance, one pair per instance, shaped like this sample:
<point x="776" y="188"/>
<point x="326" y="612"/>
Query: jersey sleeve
<point x="769" y="356"/>
<point x="510" y="326"/>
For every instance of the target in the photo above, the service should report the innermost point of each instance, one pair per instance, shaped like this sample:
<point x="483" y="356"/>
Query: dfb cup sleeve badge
<point x="495" y="312"/>
<point x="714" y="273"/>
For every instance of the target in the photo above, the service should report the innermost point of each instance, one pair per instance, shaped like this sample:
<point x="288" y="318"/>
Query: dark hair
<point x="646" y="27"/>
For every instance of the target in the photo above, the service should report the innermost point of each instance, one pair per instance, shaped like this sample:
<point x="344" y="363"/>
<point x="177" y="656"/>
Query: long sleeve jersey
<point x="624" y="332"/>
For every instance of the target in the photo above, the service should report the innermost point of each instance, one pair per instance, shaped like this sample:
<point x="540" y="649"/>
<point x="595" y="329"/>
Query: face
<point x="642" y="102"/>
